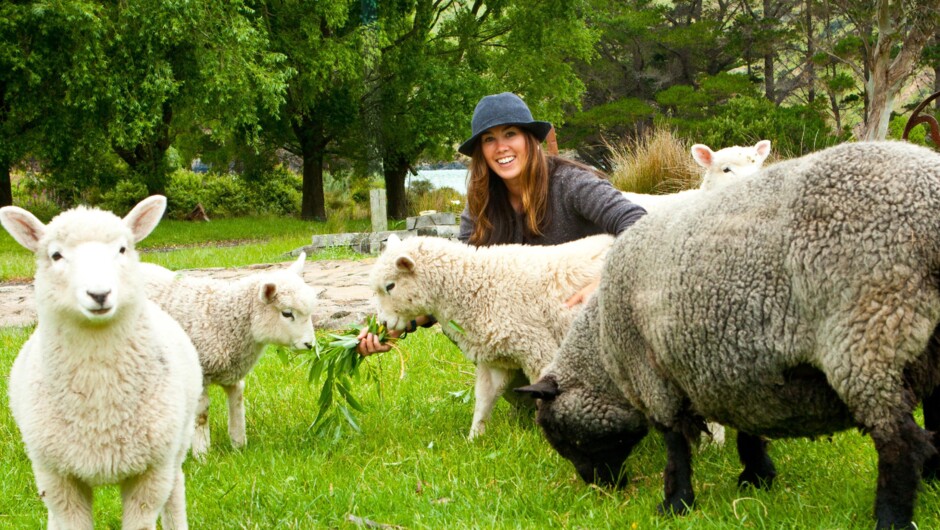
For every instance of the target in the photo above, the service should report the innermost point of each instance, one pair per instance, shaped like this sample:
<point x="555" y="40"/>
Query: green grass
<point x="412" y="466"/>
<point x="219" y="243"/>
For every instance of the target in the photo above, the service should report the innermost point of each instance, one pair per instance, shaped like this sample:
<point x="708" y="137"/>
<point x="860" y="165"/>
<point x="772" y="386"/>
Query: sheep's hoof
<point x="761" y="479"/>
<point x="931" y="470"/>
<point x="678" y="505"/>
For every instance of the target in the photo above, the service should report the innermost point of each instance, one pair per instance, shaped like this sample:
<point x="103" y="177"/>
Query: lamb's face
<point x="87" y="269"/>
<point x="595" y="432"/>
<point x="286" y="317"/>
<point x="86" y="266"/>
<point x="728" y="165"/>
<point x="399" y="296"/>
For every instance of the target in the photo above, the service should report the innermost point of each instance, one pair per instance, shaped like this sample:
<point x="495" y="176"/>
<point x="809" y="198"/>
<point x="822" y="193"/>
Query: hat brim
<point x="539" y="129"/>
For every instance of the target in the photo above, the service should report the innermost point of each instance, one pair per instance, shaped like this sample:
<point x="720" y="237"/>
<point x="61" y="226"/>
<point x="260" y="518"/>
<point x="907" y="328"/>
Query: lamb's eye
<point x="56" y="256"/>
<point x="123" y="250"/>
<point x="287" y="314"/>
<point x="389" y="287"/>
<point x="726" y="170"/>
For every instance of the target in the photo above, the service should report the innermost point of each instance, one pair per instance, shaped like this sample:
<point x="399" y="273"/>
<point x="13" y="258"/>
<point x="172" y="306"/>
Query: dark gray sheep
<point x="799" y="302"/>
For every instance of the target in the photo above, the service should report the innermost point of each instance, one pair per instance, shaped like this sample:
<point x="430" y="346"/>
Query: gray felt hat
<point x="502" y="109"/>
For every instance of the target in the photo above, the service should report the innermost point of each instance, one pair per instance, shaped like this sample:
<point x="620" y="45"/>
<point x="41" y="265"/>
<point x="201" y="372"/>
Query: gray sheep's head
<point x="595" y="431"/>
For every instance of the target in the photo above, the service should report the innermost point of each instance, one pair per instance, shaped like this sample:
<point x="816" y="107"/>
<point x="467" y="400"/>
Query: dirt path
<point x="342" y="286"/>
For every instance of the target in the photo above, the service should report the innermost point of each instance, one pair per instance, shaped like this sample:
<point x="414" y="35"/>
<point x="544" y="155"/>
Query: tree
<point x="42" y="53"/>
<point x="892" y="35"/>
<point x="438" y="58"/>
<point x="323" y="42"/>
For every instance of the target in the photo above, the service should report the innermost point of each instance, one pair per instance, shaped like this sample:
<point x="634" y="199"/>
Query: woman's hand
<point x="369" y="343"/>
<point x="581" y="296"/>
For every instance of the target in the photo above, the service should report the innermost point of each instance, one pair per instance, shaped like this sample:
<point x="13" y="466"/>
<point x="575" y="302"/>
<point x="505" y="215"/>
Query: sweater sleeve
<point x="599" y="202"/>
<point x="467" y="223"/>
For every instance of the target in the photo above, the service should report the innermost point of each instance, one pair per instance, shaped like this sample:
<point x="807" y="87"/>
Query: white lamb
<point x="509" y="300"/>
<point x="106" y="388"/>
<point x="722" y="168"/>
<point x="231" y="322"/>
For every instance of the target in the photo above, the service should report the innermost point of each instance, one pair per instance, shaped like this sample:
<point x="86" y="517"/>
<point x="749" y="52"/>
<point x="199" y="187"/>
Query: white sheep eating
<point x="105" y="390"/>
<point x="509" y="301"/>
<point x="231" y="322"/>
<point x="722" y="167"/>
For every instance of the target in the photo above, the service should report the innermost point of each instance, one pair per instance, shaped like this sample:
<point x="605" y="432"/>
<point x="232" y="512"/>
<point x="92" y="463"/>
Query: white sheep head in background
<point x="289" y="304"/>
<point x="85" y="275"/>
<point x="727" y="165"/>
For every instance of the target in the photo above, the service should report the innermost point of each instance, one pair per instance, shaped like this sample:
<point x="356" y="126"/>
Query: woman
<point x="519" y="194"/>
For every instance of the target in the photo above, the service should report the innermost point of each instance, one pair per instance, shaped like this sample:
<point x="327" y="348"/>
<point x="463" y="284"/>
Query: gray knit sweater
<point x="581" y="205"/>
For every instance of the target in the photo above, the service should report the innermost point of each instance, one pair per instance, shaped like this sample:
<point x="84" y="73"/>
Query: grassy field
<point x="411" y="465"/>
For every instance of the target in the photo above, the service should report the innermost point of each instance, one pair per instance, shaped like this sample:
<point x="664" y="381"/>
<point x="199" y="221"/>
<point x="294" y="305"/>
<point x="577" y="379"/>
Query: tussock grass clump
<point x="655" y="163"/>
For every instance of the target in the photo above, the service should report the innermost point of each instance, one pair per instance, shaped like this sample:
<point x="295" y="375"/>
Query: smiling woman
<point x="519" y="194"/>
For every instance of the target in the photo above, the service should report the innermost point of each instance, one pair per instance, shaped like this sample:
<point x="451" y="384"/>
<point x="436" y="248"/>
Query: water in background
<point x="440" y="178"/>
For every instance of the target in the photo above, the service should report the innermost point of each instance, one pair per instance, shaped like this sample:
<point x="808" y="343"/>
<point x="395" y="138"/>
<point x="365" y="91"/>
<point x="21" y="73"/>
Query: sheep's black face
<point x="594" y="432"/>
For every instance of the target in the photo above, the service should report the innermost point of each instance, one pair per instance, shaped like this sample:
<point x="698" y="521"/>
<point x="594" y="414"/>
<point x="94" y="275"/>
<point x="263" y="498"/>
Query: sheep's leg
<point x="173" y="515"/>
<point x="759" y="469"/>
<point x="144" y="496"/>
<point x="677" y="478"/>
<point x="932" y="424"/>
<point x="902" y="452"/>
<point x="201" y="437"/>
<point x="68" y="501"/>
<point x="490" y="384"/>
<point x="236" y="413"/>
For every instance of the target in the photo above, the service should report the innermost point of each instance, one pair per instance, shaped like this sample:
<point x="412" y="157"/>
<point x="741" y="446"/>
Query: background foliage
<point x="121" y="96"/>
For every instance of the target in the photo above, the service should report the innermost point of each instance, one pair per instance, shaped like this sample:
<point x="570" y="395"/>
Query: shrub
<point x="655" y="162"/>
<point x="29" y="192"/>
<point x="123" y="197"/>
<point x="440" y="200"/>
<point x="276" y="192"/>
<point x="794" y="130"/>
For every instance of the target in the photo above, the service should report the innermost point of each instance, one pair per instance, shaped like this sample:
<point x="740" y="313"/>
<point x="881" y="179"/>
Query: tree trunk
<point x="810" y="52"/>
<point x="769" y="85"/>
<point x="892" y="61"/>
<point x="6" y="184"/>
<point x="148" y="160"/>
<point x="313" y="141"/>
<point x="395" y="169"/>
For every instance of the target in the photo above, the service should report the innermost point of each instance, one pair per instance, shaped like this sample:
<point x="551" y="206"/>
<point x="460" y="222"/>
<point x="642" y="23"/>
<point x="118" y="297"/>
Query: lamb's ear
<point x="25" y="228"/>
<point x="545" y="389"/>
<point x="392" y="242"/>
<point x="297" y="267"/>
<point x="405" y="263"/>
<point x="267" y="292"/>
<point x="145" y="216"/>
<point x="763" y="149"/>
<point x="703" y="155"/>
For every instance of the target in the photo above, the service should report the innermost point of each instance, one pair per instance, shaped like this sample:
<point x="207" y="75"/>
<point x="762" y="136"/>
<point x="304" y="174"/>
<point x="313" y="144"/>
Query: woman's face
<point x="504" y="149"/>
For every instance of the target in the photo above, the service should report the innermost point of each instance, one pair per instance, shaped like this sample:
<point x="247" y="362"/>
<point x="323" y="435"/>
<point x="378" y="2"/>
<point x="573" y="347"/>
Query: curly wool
<point x="509" y="300"/>
<point x="102" y="400"/>
<point x="231" y="322"/>
<point x="798" y="302"/>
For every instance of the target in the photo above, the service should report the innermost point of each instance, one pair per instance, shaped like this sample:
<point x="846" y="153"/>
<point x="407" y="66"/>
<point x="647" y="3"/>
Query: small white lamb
<point x="105" y="390"/>
<point x="509" y="301"/>
<point x="231" y="322"/>
<point x="722" y="168"/>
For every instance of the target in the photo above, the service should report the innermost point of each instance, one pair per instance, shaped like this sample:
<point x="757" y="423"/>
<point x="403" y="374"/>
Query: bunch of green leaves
<point x="336" y="362"/>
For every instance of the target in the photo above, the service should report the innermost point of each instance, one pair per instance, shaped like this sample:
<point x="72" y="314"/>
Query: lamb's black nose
<point x="99" y="297"/>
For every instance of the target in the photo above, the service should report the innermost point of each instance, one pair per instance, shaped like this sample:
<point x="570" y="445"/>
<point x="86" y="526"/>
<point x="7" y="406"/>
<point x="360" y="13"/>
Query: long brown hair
<point x="488" y="198"/>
